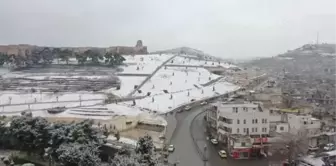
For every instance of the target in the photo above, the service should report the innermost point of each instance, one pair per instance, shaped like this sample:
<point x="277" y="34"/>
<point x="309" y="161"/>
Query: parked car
<point x="204" y="103"/>
<point x="171" y="148"/>
<point x="187" y="108"/>
<point x="329" y="147"/>
<point x="214" y="141"/>
<point x="222" y="154"/>
<point x="313" y="148"/>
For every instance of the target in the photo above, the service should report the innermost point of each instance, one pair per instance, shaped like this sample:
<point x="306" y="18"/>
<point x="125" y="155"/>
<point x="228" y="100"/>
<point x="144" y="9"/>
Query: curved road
<point x="212" y="151"/>
<point x="186" y="153"/>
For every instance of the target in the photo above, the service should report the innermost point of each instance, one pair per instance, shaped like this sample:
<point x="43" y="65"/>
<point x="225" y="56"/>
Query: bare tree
<point x="290" y="146"/>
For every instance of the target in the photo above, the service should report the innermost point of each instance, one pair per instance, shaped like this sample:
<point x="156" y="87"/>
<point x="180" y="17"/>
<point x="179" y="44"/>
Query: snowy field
<point x="193" y="62"/>
<point x="7" y="97"/>
<point x="165" y="102"/>
<point x="86" y="110"/>
<point x="143" y="64"/>
<point x="127" y="84"/>
<point x="17" y="102"/>
<point x="177" y="79"/>
<point x="181" y="84"/>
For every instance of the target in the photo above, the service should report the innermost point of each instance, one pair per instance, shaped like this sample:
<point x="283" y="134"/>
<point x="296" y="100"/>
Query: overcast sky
<point x="224" y="28"/>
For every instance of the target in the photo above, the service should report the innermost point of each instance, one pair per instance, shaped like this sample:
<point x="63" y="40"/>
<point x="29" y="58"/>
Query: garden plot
<point x="16" y="102"/>
<point x="193" y="62"/>
<point x="177" y="79"/>
<point x="143" y="64"/>
<point x="60" y="79"/>
<point x="127" y="84"/>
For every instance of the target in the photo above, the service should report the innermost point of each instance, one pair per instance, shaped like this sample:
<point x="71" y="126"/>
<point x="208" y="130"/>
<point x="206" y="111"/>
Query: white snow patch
<point x="193" y="62"/>
<point x="162" y="103"/>
<point x="182" y="80"/>
<point x="122" y="140"/>
<point x="143" y="64"/>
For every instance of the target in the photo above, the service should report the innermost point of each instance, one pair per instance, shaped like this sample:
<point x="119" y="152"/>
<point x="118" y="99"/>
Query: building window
<point x="252" y="121"/>
<point x="237" y="130"/>
<point x="243" y="144"/>
<point x="235" y="109"/>
<point x="244" y="121"/>
<point x="281" y="128"/>
<point x="265" y="120"/>
<point x="256" y="120"/>
<point x="254" y="108"/>
<point x="244" y="130"/>
<point x="238" y="121"/>
<point x="245" y="109"/>
<point x="252" y="130"/>
<point x="256" y="129"/>
<point x="225" y="120"/>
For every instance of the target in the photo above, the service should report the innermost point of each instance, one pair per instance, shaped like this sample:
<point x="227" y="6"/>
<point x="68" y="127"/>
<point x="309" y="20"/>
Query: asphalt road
<point x="212" y="150"/>
<point x="185" y="152"/>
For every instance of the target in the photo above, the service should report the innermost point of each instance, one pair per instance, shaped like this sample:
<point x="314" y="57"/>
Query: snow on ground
<point x="146" y="63"/>
<point x="182" y="80"/>
<point x="186" y="84"/>
<point x="122" y="140"/>
<point x="162" y="103"/>
<point x="3" y="71"/>
<point x="21" y="98"/>
<point x="93" y="112"/>
<point x="193" y="62"/>
<point x="126" y="85"/>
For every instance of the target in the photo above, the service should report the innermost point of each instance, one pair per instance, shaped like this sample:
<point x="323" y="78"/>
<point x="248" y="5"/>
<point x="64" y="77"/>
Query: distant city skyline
<point x="233" y="29"/>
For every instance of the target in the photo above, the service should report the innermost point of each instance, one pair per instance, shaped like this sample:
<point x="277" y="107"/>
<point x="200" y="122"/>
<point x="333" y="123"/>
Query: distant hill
<point x="186" y="50"/>
<point x="310" y="59"/>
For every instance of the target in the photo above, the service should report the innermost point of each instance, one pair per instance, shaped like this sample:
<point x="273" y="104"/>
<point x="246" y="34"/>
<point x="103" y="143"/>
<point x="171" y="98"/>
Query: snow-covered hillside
<point x="168" y="87"/>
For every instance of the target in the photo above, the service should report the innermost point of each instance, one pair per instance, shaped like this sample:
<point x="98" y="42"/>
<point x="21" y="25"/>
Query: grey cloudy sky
<point x="224" y="28"/>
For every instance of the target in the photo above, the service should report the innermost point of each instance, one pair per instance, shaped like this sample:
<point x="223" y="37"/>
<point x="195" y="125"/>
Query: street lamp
<point x="205" y="155"/>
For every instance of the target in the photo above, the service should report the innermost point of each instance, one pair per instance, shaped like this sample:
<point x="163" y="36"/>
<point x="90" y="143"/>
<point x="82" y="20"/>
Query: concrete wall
<point x="282" y="128"/>
<point x="120" y="123"/>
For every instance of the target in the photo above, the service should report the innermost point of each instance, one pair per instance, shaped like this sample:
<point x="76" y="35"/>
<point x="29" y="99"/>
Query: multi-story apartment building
<point x="235" y="122"/>
<point x="241" y="119"/>
<point x="305" y="124"/>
